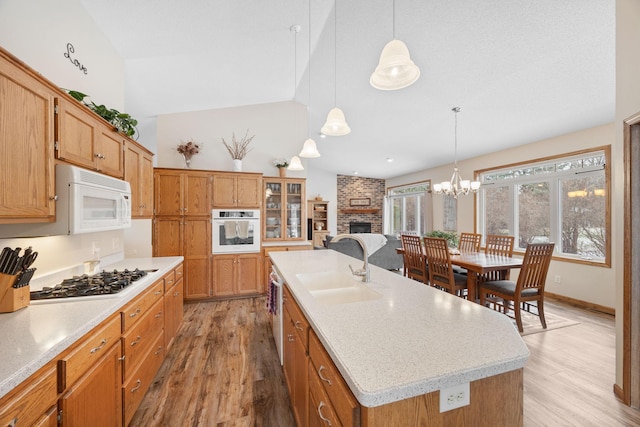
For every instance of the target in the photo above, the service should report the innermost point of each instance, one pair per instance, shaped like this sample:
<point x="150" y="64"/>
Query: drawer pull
<point x="157" y="316"/>
<point x="122" y="358"/>
<point x="135" y="313"/>
<point x="98" y="348"/>
<point x="158" y="351"/>
<point x="138" y="384"/>
<point x="13" y="422"/>
<point x="322" y="417"/>
<point x="297" y="325"/>
<point x="170" y="282"/>
<point x="176" y="294"/>
<point x="136" y="341"/>
<point x="290" y="338"/>
<point x="326" y="380"/>
<point x="157" y="292"/>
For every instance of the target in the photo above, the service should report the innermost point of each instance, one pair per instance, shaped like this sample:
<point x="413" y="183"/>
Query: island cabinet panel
<point x="173" y="305"/>
<point x="32" y="400"/>
<point x="27" y="145"/>
<point x="95" y="399"/>
<point x="84" y="139"/>
<point x="296" y="357"/>
<point x="495" y="401"/>
<point x="321" y="413"/>
<point x="138" y="171"/>
<point x="267" y="264"/>
<point x="237" y="190"/>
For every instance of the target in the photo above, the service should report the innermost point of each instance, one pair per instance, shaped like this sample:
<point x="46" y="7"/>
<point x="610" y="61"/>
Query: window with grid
<point x="563" y="200"/>
<point x="406" y="209"/>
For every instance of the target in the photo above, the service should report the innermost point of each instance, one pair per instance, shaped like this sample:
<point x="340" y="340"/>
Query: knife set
<point x="15" y="276"/>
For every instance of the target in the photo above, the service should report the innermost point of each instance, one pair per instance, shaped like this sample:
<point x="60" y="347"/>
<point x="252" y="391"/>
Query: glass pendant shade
<point x="295" y="164"/>
<point x="336" y="125"/>
<point x="309" y="149"/>
<point x="395" y="70"/>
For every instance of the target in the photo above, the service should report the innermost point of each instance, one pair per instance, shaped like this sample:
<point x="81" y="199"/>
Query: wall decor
<point x="67" y="54"/>
<point x="362" y="201"/>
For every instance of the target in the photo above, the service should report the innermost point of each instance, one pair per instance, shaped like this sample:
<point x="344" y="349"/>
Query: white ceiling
<point x="520" y="70"/>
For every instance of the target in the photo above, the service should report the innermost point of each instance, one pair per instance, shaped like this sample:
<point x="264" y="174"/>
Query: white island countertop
<point x="412" y="340"/>
<point x="35" y="335"/>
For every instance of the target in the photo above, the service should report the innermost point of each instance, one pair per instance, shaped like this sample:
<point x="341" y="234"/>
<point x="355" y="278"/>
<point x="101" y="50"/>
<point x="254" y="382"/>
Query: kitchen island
<point x="398" y="343"/>
<point x="35" y="335"/>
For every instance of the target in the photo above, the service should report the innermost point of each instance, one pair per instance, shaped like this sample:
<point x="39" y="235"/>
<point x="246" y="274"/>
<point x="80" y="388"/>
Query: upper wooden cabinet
<point x="26" y="143"/>
<point x="138" y="171"/>
<point x="182" y="193"/>
<point x="285" y="215"/>
<point x="84" y="139"/>
<point x="237" y="190"/>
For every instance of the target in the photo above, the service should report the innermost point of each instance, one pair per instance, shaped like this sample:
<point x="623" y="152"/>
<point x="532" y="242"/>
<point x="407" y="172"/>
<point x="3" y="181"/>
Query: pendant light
<point x="309" y="149"/>
<point x="395" y="70"/>
<point x="456" y="185"/>
<point x="294" y="163"/>
<point x="336" y="125"/>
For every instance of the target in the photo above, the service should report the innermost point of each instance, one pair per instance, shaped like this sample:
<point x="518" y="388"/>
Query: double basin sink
<point x="336" y="287"/>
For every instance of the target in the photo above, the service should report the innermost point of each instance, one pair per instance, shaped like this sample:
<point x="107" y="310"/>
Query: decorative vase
<point x="282" y="172"/>
<point x="237" y="165"/>
<point x="187" y="161"/>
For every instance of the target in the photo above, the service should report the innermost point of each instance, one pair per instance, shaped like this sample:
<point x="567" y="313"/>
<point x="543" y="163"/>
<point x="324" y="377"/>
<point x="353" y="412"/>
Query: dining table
<point x="477" y="264"/>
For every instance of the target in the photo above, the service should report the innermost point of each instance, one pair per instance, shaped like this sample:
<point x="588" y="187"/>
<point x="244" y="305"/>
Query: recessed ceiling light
<point x="355" y="172"/>
<point x="389" y="159"/>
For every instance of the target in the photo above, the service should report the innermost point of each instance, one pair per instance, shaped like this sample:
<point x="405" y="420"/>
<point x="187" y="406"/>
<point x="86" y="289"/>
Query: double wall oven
<point x="235" y="231"/>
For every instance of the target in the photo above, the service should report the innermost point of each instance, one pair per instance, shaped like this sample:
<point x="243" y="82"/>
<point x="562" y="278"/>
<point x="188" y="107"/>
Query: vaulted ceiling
<point x="520" y="70"/>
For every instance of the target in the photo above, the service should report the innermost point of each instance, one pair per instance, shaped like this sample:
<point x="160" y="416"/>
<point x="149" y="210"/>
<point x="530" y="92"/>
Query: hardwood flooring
<point x="222" y="370"/>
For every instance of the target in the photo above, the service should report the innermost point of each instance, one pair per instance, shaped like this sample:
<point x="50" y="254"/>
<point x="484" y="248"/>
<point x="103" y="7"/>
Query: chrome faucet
<point x="364" y="271"/>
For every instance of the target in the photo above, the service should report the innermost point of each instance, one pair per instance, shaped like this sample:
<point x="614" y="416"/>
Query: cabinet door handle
<point x="135" y="313"/>
<point x="176" y="294"/>
<point x="158" y="315"/>
<point x="122" y="358"/>
<point x="157" y="292"/>
<point x="158" y="351"/>
<point x="136" y="341"/>
<point x="98" y="348"/>
<point x="297" y="325"/>
<point x="322" y="417"/>
<point x="54" y="198"/>
<point x="290" y="338"/>
<point x="138" y="384"/>
<point x="326" y="380"/>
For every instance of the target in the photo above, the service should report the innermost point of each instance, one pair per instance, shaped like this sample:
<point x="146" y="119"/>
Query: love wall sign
<point x="69" y="55"/>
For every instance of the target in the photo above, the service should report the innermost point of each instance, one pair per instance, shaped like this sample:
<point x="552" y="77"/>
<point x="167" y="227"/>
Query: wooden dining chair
<point x="441" y="273"/>
<point x="415" y="266"/>
<point x="498" y="245"/>
<point x="528" y="288"/>
<point x="469" y="242"/>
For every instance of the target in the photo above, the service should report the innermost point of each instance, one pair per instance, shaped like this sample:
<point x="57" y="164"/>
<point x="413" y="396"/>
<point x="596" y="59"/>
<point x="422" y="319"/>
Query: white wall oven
<point x="235" y="231"/>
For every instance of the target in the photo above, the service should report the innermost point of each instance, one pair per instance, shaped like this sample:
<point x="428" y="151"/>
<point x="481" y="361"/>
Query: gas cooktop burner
<point x="107" y="282"/>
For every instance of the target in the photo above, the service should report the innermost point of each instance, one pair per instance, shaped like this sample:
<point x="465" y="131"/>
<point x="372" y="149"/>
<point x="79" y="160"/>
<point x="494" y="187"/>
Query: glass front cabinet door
<point x="285" y="209"/>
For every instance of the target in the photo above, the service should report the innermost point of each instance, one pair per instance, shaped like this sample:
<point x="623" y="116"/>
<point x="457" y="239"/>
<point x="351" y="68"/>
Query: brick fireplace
<point x="360" y="200"/>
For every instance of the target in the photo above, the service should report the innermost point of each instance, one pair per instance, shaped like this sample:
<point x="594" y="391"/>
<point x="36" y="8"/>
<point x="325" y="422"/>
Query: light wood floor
<point x="223" y="371"/>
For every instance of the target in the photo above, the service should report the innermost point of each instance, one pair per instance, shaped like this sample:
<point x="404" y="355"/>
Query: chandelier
<point x="456" y="185"/>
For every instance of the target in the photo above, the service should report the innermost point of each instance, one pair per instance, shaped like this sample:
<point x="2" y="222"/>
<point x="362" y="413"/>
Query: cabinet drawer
<point x="138" y="340"/>
<point x="136" y="308"/>
<point x="321" y="412"/>
<point x="169" y="280"/>
<point x="87" y="352"/>
<point x="179" y="272"/>
<point x="343" y="402"/>
<point x="31" y="400"/>
<point x="299" y="321"/>
<point x="135" y="388"/>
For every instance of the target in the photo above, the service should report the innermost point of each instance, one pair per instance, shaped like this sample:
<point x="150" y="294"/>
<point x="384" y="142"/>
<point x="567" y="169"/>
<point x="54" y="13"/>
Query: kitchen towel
<point x="372" y="241"/>
<point x="230" y="229"/>
<point x="243" y="229"/>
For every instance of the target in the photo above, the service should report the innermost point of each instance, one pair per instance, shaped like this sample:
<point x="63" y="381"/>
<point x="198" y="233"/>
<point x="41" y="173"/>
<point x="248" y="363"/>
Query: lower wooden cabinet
<point x="173" y="308"/>
<point x="320" y="410"/>
<point x="236" y="274"/>
<point x="280" y="248"/>
<point x="95" y="398"/>
<point x="295" y="334"/>
<point x="32" y="400"/>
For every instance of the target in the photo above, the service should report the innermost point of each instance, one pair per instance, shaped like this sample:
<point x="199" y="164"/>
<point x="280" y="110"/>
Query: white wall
<point x="37" y="33"/>
<point x="627" y="104"/>
<point x="586" y="283"/>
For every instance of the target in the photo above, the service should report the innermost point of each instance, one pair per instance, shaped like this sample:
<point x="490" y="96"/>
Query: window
<point x="563" y="200"/>
<point x="406" y="209"/>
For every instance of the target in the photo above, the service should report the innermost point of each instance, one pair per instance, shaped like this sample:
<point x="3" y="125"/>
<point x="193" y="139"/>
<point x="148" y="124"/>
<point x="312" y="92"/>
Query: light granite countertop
<point x="412" y="340"/>
<point x="35" y="335"/>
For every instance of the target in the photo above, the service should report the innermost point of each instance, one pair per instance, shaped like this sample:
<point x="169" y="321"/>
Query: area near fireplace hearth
<point x="360" y="202"/>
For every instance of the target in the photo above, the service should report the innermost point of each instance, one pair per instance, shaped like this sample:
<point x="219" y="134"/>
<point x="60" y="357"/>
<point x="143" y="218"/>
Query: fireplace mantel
<point x="359" y="211"/>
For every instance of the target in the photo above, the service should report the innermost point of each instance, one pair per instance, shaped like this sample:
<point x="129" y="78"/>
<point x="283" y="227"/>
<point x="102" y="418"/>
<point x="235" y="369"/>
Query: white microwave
<point x="87" y="202"/>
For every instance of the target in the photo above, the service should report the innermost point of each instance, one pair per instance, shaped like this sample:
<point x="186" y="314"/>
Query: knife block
<point x="12" y="299"/>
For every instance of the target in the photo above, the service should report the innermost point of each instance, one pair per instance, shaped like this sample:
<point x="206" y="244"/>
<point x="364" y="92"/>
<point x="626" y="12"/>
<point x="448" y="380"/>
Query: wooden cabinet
<point x="317" y="211"/>
<point x="138" y="171"/>
<point x="84" y="139"/>
<point x="32" y="400"/>
<point x="267" y="261"/>
<point x="237" y="274"/>
<point x="173" y="305"/>
<point x="295" y="352"/>
<point x="284" y="216"/>
<point x="237" y="190"/>
<point x="92" y="367"/>
<point x="182" y="226"/>
<point x="27" y="145"/>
